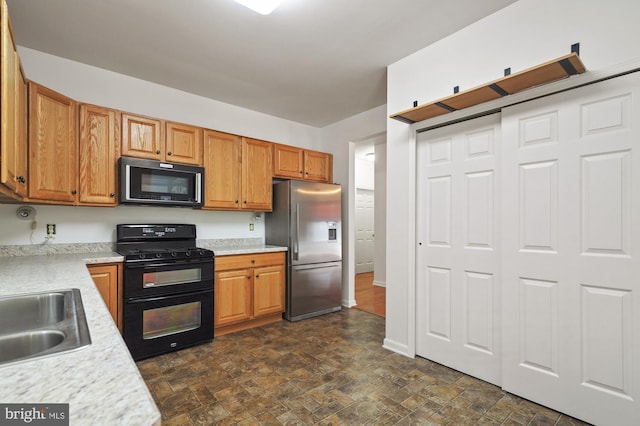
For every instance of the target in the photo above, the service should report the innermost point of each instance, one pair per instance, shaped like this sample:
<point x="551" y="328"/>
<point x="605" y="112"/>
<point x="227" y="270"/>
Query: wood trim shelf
<point x="547" y="72"/>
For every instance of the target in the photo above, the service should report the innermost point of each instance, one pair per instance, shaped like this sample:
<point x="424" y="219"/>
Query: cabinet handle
<point x="21" y="179"/>
<point x="169" y="153"/>
<point x="157" y="151"/>
<point x="74" y="192"/>
<point x="113" y="194"/>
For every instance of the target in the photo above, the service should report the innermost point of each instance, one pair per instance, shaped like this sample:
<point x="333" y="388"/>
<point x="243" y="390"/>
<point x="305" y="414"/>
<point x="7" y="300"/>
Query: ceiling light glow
<point x="263" y="7"/>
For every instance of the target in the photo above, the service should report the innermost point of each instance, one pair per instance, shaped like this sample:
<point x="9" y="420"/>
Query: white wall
<point x="365" y="171"/>
<point x="527" y="33"/>
<point x="339" y="139"/>
<point x="380" y="218"/>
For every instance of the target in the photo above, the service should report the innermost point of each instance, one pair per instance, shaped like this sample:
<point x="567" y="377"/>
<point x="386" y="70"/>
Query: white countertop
<point x="243" y="249"/>
<point x="100" y="382"/>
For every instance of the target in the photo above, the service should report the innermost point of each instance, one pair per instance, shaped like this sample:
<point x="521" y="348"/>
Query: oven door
<point x="150" y="279"/>
<point x="153" y="326"/>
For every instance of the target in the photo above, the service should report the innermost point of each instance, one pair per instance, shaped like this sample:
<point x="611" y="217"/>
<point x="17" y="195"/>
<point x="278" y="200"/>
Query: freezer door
<point x="316" y="224"/>
<point x="314" y="290"/>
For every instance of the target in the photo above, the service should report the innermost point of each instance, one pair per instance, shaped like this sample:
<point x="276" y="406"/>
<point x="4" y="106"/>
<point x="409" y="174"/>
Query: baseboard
<point x="380" y="283"/>
<point x="349" y="303"/>
<point x="396" y="347"/>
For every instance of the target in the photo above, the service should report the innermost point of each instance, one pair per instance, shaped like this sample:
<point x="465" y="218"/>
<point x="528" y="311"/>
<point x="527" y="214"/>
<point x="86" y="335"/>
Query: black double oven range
<point x="167" y="288"/>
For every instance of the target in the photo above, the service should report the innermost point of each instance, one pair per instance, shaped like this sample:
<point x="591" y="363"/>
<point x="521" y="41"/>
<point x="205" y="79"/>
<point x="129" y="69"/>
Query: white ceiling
<point x="311" y="61"/>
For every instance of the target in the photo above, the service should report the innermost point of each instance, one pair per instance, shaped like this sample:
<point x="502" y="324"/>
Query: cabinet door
<point x="13" y="141"/>
<point x="232" y="296"/>
<point x="53" y="145"/>
<point x="288" y="161"/>
<point x="268" y="290"/>
<point x="99" y="152"/>
<point x="105" y="277"/>
<point x="142" y="137"/>
<point x="317" y="166"/>
<point x="257" y="172"/>
<point x="222" y="157"/>
<point x="184" y="144"/>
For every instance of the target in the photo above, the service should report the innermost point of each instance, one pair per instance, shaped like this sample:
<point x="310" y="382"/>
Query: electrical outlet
<point x="251" y="226"/>
<point x="51" y="230"/>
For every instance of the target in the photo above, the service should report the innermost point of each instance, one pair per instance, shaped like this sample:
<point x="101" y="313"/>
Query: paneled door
<point x="571" y="246"/>
<point x="364" y="230"/>
<point x="457" y="276"/>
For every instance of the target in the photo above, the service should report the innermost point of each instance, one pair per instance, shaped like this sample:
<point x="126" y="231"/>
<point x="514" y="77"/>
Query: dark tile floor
<point x="328" y="370"/>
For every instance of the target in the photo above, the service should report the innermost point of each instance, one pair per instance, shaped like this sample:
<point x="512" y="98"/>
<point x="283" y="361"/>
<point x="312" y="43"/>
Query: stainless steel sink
<point x="27" y="312"/>
<point x="39" y="324"/>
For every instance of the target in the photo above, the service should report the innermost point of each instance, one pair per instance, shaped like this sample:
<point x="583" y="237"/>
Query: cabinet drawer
<point x="224" y="263"/>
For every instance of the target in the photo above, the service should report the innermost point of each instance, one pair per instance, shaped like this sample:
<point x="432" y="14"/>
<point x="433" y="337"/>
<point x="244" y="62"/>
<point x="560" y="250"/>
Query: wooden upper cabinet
<point x="257" y="172"/>
<point x="99" y="153"/>
<point x="13" y="139"/>
<point x="184" y="144"/>
<point x="146" y="137"/>
<point x="222" y="157"/>
<point x="53" y="146"/>
<point x="142" y="137"/>
<point x="238" y="172"/>
<point x="297" y="163"/>
<point x="318" y="166"/>
<point x="288" y="161"/>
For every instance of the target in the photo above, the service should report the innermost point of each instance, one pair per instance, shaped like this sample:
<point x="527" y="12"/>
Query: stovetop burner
<point x="159" y="242"/>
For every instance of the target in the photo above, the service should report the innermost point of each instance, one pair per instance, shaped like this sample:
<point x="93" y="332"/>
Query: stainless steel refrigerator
<point x="306" y="218"/>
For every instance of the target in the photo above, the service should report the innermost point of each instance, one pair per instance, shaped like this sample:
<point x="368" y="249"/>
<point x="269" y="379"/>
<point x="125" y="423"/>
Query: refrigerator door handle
<point x="295" y="239"/>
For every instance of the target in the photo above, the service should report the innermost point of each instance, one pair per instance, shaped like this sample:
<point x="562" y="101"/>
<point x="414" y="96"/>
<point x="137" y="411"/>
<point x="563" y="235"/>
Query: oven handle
<point x="170" y="296"/>
<point x="160" y="265"/>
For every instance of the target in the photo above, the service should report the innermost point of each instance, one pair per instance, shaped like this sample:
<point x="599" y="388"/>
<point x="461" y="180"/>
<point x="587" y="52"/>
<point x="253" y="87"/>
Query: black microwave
<point x="156" y="183"/>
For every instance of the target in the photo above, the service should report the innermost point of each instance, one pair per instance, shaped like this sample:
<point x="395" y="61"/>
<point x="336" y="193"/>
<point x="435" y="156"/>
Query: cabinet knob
<point x="157" y="151"/>
<point x="236" y="201"/>
<point x="169" y="153"/>
<point x="245" y="201"/>
<point x="74" y="192"/>
<point x="248" y="277"/>
<point x="253" y="261"/>
<point x="258" y="276"/>
<point x="21" y="179"/>
<point x="112" y="194"/>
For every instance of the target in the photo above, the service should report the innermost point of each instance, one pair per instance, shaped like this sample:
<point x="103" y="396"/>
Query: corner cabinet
<point x="249" y="291"/>
<point x="99" y="153"/>
<point x="107" y="278"/>
<point x="303" y="164"/>
<point x="237" y="172"/>
<point x="13" y="139"/>
<point x="53" y="146"/>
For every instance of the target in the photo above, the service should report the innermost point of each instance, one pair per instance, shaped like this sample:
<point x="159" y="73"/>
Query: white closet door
<point x="458" y="287"/>
<point x="571" y="247"/>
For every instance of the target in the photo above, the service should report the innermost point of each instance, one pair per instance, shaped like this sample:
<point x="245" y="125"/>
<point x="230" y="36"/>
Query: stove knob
<point x="187" y="253"/>
<point x="141" y="256"/>
<point x="201" y="253"/>
<point x="174" y="254"/>
<point x="158" y="255"/>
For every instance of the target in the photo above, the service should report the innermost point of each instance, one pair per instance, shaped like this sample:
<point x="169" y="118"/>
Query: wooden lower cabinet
<point x="108" y="281"/>
<point x="249" y="291"/>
